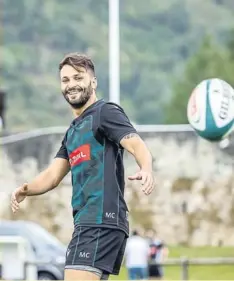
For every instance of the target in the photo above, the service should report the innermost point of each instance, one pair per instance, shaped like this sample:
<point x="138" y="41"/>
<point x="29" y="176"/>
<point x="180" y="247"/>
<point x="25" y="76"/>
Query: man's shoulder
<point x="107" y="105"/>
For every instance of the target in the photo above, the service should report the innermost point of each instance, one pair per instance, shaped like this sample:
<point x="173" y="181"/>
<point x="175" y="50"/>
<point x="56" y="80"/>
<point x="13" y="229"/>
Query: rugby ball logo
<point x="193" y="108"/>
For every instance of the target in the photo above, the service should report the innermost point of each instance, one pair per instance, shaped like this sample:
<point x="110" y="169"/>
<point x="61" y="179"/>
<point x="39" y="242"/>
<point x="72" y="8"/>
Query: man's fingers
<point x="16" y="195"/>
<point x="13" y="199"/>
<point x="149" y="185"/>
<point x="150" y="188"/>
<point x="146" y="182"/>
<point x="137" y="176"/>
<point x="14" y="205"/>
<point x="13" y="196"/>
<point x="153" y="184"/>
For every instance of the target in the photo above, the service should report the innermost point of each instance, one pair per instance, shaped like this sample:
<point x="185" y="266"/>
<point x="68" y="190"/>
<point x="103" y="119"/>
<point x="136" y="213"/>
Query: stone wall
<point x="192" y="204"/>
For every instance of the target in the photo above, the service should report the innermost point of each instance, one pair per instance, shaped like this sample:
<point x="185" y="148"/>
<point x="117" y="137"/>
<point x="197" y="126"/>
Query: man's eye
<point x="78" y="78"/>
<point x="65" y="80"/>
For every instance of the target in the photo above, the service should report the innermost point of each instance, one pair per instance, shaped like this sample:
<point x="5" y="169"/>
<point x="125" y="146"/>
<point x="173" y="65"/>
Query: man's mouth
<point x="74" y="92"/>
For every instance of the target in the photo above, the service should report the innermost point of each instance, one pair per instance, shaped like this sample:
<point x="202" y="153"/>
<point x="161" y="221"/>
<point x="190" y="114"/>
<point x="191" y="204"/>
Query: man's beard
<point x="84" y="95"/>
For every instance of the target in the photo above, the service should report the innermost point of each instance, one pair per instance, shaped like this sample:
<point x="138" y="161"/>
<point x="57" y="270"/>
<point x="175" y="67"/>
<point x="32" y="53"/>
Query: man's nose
<point x="72" y="84"/>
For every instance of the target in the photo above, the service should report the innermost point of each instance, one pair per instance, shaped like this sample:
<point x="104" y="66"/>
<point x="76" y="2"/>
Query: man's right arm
<point x="49" y="178"/>
<point x="45" y="181"/>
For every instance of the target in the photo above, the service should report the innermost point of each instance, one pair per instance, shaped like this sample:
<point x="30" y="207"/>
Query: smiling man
<point x="92" y="149"/>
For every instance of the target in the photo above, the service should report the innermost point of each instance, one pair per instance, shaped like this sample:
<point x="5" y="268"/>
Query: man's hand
<point x="147" y="181"/>
<point x="18" y="196"/>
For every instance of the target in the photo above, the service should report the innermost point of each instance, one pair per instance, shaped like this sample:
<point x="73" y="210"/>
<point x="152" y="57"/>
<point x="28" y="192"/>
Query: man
<point x="158" y="253"/>
<point x="92" y="149"/>
<point x="136" y="256"/>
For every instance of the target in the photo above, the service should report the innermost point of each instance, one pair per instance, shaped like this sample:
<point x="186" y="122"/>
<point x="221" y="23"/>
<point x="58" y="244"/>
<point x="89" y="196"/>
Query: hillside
<point x="157" y="39"/>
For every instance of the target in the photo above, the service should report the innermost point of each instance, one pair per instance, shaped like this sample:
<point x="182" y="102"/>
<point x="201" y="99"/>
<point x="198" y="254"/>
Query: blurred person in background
<point x="136" y="257"/>
<point x="1" y="124"/>
<point x="92" y="149"/>
<point x="2" y="109"/>
<point x="158" y="252"/>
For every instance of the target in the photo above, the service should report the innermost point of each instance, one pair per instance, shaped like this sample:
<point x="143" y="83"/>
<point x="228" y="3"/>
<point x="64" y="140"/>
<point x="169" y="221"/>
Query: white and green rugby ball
<point x="210" y="109"/>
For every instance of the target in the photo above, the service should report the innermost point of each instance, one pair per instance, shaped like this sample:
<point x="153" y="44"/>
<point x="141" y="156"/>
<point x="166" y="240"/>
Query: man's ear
<point x="94" y="83"/>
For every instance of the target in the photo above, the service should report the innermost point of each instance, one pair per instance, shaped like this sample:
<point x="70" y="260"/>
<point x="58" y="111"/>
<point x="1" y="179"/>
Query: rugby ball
<point x="210" y="109"/>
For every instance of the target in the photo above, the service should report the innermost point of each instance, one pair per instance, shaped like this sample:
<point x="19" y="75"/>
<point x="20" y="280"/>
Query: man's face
<point x="77" y="85"/>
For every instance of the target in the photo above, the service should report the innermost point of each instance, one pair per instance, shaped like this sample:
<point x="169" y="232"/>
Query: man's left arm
<point x="136" y="146"/>
<point x="117" y="127"/>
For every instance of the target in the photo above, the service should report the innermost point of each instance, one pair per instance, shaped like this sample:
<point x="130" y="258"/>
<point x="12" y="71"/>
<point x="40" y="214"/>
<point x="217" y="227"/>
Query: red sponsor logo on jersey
<point x="80" y="155"/>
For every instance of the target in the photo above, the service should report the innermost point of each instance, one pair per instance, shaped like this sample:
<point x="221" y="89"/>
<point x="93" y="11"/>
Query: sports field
<point x="214" y="272"/>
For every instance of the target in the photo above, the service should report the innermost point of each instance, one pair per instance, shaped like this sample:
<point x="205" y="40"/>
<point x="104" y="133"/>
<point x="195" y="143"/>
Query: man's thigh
<point x="85" y="274"/>
<point x="72" y="274"/>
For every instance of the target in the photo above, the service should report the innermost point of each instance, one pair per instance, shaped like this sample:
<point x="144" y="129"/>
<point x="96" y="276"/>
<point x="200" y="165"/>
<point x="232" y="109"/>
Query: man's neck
<point x="79" y="111"/>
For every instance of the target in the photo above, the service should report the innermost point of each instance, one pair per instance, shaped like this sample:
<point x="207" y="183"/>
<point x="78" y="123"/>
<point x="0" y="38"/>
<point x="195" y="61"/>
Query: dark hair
<point x="135" y="233"/>
<point x="77" y="60"/>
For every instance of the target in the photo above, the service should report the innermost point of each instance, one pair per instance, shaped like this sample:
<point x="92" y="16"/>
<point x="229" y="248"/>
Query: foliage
<point x="157" y="38"/>
<point x="210" y="61"/>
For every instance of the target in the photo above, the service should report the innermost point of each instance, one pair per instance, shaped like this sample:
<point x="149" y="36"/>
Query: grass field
<point x="214" y="272"/>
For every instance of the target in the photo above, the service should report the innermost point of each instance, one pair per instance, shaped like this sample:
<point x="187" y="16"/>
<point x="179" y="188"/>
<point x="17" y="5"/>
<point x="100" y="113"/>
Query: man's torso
<point x="97" y="173"/>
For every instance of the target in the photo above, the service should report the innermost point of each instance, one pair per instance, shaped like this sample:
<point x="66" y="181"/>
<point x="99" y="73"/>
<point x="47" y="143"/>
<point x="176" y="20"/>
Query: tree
<point x="210" y="61"/>
<point x="156" y="39"/>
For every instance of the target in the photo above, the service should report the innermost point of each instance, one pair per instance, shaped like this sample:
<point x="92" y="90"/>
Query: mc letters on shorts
<point x="84" y="255"/>
<point x="110" y="215"/>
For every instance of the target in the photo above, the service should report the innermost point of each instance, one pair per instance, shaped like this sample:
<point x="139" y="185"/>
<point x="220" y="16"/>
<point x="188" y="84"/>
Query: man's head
<point x="78" y="81"/>
<point x="135" y="233"/>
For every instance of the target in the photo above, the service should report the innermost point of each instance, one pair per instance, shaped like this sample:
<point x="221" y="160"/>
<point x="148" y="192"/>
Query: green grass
<point x="207" y="272"/>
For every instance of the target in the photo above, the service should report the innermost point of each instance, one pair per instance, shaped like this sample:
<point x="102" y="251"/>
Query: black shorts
<point x="155" y="270"/>
<point x="102" y="248"/>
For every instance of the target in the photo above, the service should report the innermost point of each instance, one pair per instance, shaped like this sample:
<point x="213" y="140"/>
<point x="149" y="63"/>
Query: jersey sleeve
<point x="114" y="123"/>
<point x="62" y="152"/>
